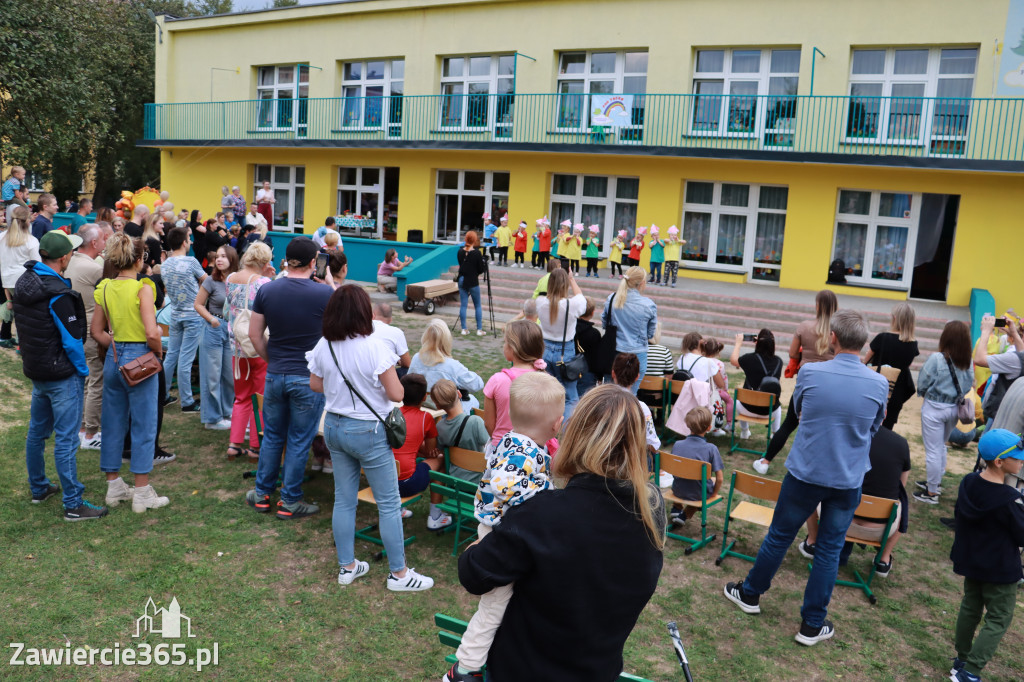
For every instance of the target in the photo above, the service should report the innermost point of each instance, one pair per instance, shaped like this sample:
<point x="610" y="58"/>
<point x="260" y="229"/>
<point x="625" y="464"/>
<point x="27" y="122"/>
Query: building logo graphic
<point x="169" y="623"/>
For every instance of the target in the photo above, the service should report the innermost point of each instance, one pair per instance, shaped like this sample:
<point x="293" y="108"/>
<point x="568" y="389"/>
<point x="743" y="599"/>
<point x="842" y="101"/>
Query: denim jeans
<point x="355" y="444"/>
<point x="585" y="383"/>
<point x="56" y="408"/>
<point x="216" y="376"/>
<point x="181" y="353"/>
<point x="464" y="296"/>
<point x="655" y="273"/>
<point x="553" y="352"/>
<point x="121" y="401"/>
<point x="797" y="501"/>
<point x="291" y="417"/>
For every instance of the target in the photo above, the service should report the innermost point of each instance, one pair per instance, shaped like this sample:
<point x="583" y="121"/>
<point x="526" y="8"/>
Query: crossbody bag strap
<point x="110" y="322"/>
<point x="248" y="285"/>
<point x="952" y="373"/>
<point x="565" y="329"/>
<point x="351" y="387"/>
<point x="462" y="427"/>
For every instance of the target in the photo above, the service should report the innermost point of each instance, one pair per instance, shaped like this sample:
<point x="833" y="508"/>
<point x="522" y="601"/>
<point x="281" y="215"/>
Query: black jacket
<point x="588" y="342"/>
<point x="471" y="266"/>
<point x="584" y="569"/>
<point x="51" y="324"/>
<point x="989" y="531"/>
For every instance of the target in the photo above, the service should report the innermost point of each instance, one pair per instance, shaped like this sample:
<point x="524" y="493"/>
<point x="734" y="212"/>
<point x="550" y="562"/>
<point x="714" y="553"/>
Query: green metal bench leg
<point x="365" y="534"/>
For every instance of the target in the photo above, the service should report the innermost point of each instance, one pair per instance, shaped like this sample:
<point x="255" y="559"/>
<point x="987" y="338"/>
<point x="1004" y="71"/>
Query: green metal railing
<point x="959" y="128"/>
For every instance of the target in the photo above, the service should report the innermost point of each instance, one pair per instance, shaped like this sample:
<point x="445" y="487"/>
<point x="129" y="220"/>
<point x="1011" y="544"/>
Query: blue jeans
<point x="655" y="272"/>
<point x="355" y="444"/>
<point x="216" y="377"/>
<point x="121" y="401"/>
<point x="585" y="383"/>
<point x="797" y="501"/>
<point x="553" y="352"/>
<point x="291" y="417"/>
<point x="464" y="296"/>
<point x="181" y="353"/>
<point x="56" y="408"/>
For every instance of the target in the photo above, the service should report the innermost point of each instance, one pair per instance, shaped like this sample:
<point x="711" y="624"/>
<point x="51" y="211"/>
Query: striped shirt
<point x="659" y="361"/>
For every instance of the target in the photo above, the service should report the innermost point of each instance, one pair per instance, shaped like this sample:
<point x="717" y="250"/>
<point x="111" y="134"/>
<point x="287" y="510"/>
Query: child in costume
<point x="574" y="248"/>
<point x="489" y="241"/>
<point x="673" y="251"/>
<point x="615" y="256"/>
<point x="593" y="251"/>
<point x="560" y="243"/>
<point x="636" y="246"/>
<point x="519" y="239"/>
<point x="657" y="248"/>
<point x="504" y="237"/>
<point x="543" y="234"/>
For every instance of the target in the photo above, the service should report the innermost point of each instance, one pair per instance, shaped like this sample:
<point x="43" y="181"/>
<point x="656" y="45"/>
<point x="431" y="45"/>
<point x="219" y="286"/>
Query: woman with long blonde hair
<point x="896" y="348"/>
<point x="17" y="247"/>
<point x="635" y="318"/>
<point x="810" y="344"/>
<point x="601" y="467"/>
<point x="435" y="362"/>
<point x="557" y="313"/>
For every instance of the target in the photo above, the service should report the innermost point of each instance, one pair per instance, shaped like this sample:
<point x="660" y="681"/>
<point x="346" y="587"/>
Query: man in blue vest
<point x="52" y="326"/>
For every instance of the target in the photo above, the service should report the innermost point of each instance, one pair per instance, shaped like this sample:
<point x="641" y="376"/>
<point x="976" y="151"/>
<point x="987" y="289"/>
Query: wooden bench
<point x="430" y="292"/>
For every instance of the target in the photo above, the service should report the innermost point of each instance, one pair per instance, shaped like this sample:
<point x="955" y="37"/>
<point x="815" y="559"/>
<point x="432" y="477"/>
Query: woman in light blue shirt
<point x="435" y="362"/>
<point x="635" y="317"/>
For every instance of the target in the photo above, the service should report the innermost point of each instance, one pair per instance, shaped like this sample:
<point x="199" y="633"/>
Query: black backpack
<point x="837" y="272"/>
<point x="997" y="389"/>
<point x="769" y="383"/>
<point x="685" y="374"/>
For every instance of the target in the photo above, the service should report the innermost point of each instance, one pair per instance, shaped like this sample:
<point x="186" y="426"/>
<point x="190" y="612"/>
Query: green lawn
<point x="264" y="590"/>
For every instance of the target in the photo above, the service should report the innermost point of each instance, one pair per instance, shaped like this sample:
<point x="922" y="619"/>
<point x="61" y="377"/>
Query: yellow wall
<point x="988" y="216"/>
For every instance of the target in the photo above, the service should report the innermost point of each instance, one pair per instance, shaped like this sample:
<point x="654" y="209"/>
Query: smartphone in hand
<point x="750" y="337"/>
<point x="320" y="271"/>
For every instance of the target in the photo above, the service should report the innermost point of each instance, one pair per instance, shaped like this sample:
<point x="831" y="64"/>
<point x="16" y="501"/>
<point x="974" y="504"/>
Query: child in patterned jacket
<point x="518" y="468"/>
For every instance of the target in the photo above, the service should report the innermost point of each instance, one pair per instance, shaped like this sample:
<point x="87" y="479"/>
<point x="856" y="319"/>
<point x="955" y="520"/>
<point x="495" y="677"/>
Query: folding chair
<point x="874" y="509"/>
<point x="478" y="412"/>
<point x="753" y="399"/>
<point x="452" y="630"/>
<point x="691" y="470"/>
<point x="459" y="494"/>
<point x="653" y="389"/>
<point x="366" y="495"/>
<point x="754" y="486"/>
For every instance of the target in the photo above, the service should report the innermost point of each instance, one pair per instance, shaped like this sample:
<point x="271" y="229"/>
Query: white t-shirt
<point x="553" y="330"/>
<point x="703" y="368"/>
<point x="264" y="195"/>
<point x="13" y="258"/>
<point x="363" y="360"/>
<point x="393" y="337"/>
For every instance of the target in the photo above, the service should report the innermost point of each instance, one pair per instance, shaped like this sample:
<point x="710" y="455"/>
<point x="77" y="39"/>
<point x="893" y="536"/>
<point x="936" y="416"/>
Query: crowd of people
<point x="563" y="426"/>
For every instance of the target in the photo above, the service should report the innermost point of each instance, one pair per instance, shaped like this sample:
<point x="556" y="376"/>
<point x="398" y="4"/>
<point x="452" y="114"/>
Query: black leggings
<point x="616" y="266"/>
<point x="502" y="255"/>
<point x="591" y="265"/>
<point x="575" y="265"/>
<point x="520" y="257"/>
<point x="778" y="441"/>
<point x="5" y="329"/>
<point x="542" y="258"/>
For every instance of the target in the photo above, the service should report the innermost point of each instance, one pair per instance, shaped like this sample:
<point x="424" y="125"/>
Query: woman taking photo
<point x="944" y="379"/>
<point x="216" y="378"/>
<point x="635" y="318"/>
<point x="757" y="366"/>
<point x="557" y="313"/>
<point x="471" y="266"/>
<point x="896" y="348"/>
<point x="354" y="434"/>
<point x="250" y="370"/>
<point x="124" y="305"/>
<point x="809" y="344"/>
<point x="435" y="362"/>
<point x="601" y="467"/>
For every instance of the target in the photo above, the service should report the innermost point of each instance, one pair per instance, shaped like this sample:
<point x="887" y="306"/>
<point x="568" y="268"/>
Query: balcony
<point x="974" y="133"/>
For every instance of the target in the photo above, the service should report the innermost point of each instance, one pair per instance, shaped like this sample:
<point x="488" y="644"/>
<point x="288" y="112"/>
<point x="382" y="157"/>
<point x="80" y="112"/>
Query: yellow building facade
<point x="779" y="137"/>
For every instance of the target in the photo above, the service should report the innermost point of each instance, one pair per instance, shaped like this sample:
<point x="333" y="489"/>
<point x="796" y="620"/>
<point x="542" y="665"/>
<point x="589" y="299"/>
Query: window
<point x="371" y="193"/>
<point x="875" y="236"/>
<point x="607" y="201"/>
<point x="280" y="90"/>
<point x="34" y="181"/>
<point x="372" y="94"/>
<point x="599" y="73"/>
<point x="735" y="227"/>
<point x="889" y="90"/>
<point x="746" y="93"/>
<point x="462" y="199"/>
<point x="289" y="186"/>
<point x="477" y="91"/>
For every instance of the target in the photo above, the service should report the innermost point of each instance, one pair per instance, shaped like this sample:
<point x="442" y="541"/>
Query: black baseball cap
<point x="301" y="249"/>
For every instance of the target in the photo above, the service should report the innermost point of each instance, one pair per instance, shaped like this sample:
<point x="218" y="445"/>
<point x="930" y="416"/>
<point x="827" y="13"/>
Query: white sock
<point x="435" y="511"/>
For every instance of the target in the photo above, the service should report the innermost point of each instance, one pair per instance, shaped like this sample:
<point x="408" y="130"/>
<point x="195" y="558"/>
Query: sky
<point x="243" y="5"/>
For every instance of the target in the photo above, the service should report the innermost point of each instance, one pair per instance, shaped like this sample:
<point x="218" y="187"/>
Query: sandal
<point x="254" y="454"/>
<point x="235" y="451"/>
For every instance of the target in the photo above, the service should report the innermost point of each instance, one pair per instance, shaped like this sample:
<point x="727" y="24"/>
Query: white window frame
<point x="502" y="127"/>
<point x="360" y="189"/>
<point x="275" y="89"/>
<point x="289" y="187"/>
<point x="716" y="209"/>
<point x="608" y="202"/>
<point x="35" y="182"/>
<point x="873" y="222"/>
<point x="780" y="134"/>
<point x="586" y="78"/>
<point x="887" y="79"/>
<point x="488" y="193"/>
<point x="390" y="99"/>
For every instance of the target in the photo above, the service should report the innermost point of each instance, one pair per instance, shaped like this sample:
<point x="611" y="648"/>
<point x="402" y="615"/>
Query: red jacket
<point x="545" y="239"/>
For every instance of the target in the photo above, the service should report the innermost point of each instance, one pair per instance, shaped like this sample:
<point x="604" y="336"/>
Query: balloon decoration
<point x="147" y="196"/>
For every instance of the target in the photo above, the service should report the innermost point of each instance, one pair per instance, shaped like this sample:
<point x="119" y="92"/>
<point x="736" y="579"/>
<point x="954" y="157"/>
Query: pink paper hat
<point x="622" y="234"/>
<point x="487" y="216"/>
<point x="504" y="218"/>
<point x="673" y="230"/>
<point x="594" y="229"/>
<point x="654" y="229"/>
<point x="540" y="221"/>
<point x="641" y="230"/>
<point x="577" y="228"/>
<point x="546" y="221"/>
<point x="566" y="223"/>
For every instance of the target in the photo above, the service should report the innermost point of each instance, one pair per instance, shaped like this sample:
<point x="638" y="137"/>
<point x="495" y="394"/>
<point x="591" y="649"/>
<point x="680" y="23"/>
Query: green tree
<point x="283" y="3"/>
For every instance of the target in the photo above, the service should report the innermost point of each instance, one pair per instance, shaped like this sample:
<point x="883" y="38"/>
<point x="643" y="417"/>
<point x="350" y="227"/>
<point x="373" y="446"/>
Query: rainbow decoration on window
<point x="611" y="110"/>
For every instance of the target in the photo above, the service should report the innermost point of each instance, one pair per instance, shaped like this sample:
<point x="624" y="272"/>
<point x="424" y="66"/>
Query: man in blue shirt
<point x="44" y="221"/>
<point x="841" y="404"/>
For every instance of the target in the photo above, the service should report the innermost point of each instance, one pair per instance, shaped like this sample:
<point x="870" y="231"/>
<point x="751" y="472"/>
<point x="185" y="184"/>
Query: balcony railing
<point x="960" y="128"/>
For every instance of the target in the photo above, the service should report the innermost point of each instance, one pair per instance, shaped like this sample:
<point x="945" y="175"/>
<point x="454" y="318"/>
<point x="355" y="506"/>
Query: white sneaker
<point x="481" y="332"/>
<point x="465" y="331"/>
<point x="318" y="464"/>
<point x="718" y="433"/>
<point x="90" y="443"/>
<point x="761" y="466"/>
<point x="412" y="582"/>
<point x="406" y="513"/>
<point x="442" y="521"/>
<point x="346" y="576"/>
<point x="146" y="498"/>
<point x="222" y="425"/>
<point x="665" y="480"/>
<point x="118" y="492"/>
<point x="744" y="433"/>
<point x="328" y="467"/>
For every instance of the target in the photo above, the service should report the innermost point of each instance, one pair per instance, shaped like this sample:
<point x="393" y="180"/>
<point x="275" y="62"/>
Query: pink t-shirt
<point x="387" y="269"/>
<point x="496" y="389"/>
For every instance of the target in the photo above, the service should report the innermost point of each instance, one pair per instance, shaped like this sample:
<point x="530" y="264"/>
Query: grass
<point x="264" y="590"/>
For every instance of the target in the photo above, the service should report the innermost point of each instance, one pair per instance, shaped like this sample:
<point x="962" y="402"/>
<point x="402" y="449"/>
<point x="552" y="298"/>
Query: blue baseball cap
<point x="1001" y="444"/>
